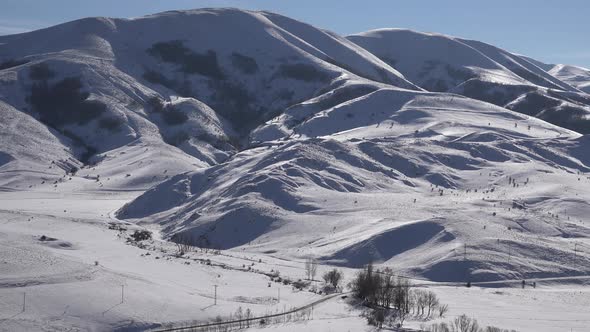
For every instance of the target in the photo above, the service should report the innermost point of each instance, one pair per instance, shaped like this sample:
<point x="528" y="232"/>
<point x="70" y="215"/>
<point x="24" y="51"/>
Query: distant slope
<point x="397" y="177"/>
<point x="253" y="131"/>
<point x="29" y="149"/>
<point x="573" y="75"/>
<point x="198" y="80"/>
<point x="481" y="71"/>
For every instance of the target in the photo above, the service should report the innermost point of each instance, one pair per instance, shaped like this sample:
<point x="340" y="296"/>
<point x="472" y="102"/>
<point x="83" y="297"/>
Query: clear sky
<point x="550" y="31"/>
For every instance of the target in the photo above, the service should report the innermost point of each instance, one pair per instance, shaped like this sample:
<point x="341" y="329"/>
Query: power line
<point x="215" y="303"/>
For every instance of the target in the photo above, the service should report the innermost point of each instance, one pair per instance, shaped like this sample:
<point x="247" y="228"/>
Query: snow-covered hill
<point x="481" y="71"/>
<point x="105" y="83"/>
<point x="441" y="158"/>
<point x="361" y="178"/>
<point x="573" y="75"/>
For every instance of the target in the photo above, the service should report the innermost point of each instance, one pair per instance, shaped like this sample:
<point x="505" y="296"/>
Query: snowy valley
<point x="178" y="168"/>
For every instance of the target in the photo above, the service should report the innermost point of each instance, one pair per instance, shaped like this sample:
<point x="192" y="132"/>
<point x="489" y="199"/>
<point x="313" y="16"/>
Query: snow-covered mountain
<point x="573" y="75"/>
<point x="481" y="71"/>
<point x="251" y="131"/>
<point x="102" y="83"/>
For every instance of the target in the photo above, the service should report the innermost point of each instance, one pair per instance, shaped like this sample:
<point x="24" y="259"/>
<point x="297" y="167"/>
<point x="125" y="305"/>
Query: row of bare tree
<point x="394" y="297"/>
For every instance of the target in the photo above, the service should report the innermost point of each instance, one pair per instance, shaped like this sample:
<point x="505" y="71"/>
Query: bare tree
<point x="184" y="243"/>
<point x="333" y="278"/>
<point x="248" y="316"/>
<point x="442" y="309"/>
<point x="401" y="316"/>
<point x="464" y="324"/>
<point x="441" y="327"/>
<point x="311" y="268"/>
<point x="379" y="317"/>
<point x="420" y="301"/>
<point x="431" y="301"/>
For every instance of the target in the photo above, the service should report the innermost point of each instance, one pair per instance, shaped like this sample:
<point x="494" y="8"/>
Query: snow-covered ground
<point x="444" y="159"/>
<point x="66" y="290"/>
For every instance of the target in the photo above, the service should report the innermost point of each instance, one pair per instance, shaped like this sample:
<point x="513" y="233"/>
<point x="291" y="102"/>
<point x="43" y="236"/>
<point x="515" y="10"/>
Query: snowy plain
<point x="298" y="143"/>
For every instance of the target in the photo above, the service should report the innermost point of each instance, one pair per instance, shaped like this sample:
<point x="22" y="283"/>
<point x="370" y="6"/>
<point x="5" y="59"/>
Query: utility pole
<point x="575" y="254"/>
<point x="122" y="293"/>
<point x="24" y="301"/>
<point x="215" y="294"/>
<point x="465" y="252"/>
<point x="279" y="297"/>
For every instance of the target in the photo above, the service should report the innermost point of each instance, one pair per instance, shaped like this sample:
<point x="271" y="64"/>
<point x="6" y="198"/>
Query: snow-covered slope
<point x="573" y="75"/>
<point x="105" y="83"/>
<point x="481" y="71"/>
<point x="383" y="178"/>
<point x="441" y="158"/>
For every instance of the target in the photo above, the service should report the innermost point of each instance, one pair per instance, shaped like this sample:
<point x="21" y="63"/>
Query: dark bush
<point x="435" y="85"/>
<point x="88" y="152"/>
<point x="189" y="61"/>
<point x="366" y="283"/>
<point x="234" y="95"/>
<point x="302" y="72"/>
<point x="12" y="63"/>
<point x="203" y="64"/>
<point x="153" y="76"/>
<point x="333" y="277"/>
<point x="233" y="101"/>
<point x="429" y="66"/>
<point x="64" y="102"/>
<point x="41" y="72"/>
<point x="155" y="104"/>
<point x="141" y="235"/>
<point x="177" y="138"/>
<point x="173" y="116"/>
<point x="300" y="284"/>
<point x="110" y="123"/>
<point x="172" y="51"/>
<point x="244" y="63"/>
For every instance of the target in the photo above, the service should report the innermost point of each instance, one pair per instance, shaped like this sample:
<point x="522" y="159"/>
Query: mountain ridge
<point x="247" y="130"/>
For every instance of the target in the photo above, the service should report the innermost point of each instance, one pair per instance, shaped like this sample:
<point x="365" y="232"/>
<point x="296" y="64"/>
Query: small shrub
<point x="155" y="77"/>
<point x="300" y="284"/>
<point x="110" y="123"/>
<point x="333" y="278"/>
<point x="302" y="72"/>
<point x="64" y="102"/>
<point x="189" y="61"/>
<point x="244" y="63"/>
<point x="140" y="235"/>
<point x="155" y="104"/>
<point x="174" y="117"/>
<point x="177" y="138"/>
<point x="41" y="72"/>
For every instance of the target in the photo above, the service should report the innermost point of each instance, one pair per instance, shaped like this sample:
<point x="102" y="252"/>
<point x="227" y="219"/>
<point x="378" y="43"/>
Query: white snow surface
<point x="482" y="71"/>
<point x="273" y="141"/>
<point x="574" y="75"/>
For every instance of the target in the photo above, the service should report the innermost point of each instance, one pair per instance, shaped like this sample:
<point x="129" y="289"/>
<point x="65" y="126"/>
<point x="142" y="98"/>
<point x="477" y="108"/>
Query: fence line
<point x="240" y="322"/>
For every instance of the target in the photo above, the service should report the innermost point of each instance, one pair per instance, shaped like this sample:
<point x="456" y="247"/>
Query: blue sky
<point x="550" y="31"/>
